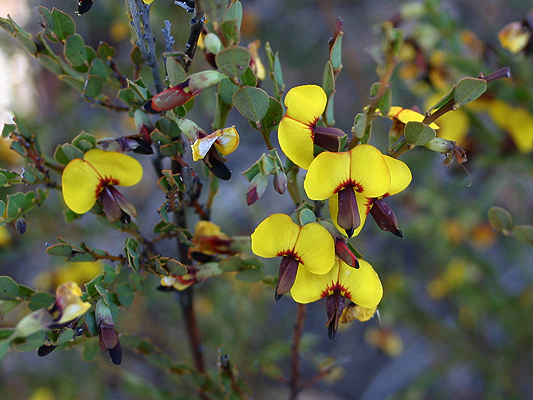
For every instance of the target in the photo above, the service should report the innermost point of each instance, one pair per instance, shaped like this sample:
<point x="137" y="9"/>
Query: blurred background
<point x="455" y="320"/>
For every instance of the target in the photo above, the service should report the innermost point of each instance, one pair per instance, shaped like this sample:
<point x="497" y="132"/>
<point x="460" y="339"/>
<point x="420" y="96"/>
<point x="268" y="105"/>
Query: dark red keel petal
<point x="334" y="308"/>
<point x="385" y="217"/>
<point x="329" y="138"/>
<point x="348" y="217"/>
<point x="287" y="274"/>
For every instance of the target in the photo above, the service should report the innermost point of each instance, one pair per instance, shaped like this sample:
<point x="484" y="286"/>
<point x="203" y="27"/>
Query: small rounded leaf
<point x="500" y="219"/>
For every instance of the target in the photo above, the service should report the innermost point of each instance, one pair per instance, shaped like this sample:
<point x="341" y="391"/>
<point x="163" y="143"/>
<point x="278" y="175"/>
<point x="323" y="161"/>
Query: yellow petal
<point x="309" y="287"/>
<point x="327" y="174"/>
<point x="453" y="125"/>
<point x="369" y="170"/>
<point x="400" y="175"/>
<point x="201" y="146"/>
<point x="80" y="186"/>
<point x="363" y="204"/>
<point x="305" y="103"/>
<point x="521" y="129"/>
<point x="362" y="285"/>
<point x="514" y="37"/>
<point x="296" y="141"/>
<point x="121" y="168"/>
<point x="406" y="115"/>
<point x="275" y="236"/>
<point x="227" y="140"/>
<point x="315" y="248"/>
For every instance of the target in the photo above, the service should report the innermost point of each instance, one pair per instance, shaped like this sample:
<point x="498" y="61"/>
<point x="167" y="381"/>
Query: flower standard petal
<point x="400" y="175"/>
<point x="315" y="248"/>
<point x="80" y="183"/>
<point x="296" y="141"/>
<point x="120" y="169"/>
<point x="327" y="174"/>
<point x="305" y="104"/>
<point x="369" y="171"/>
<point x="275" y="236"/>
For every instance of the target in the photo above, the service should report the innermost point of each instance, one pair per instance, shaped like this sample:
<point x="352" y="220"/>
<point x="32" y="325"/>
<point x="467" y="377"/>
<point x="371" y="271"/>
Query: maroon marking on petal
<point x="336" y="289"/>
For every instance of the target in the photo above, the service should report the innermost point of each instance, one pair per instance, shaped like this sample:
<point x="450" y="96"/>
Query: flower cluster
<point x="317" y="262"/>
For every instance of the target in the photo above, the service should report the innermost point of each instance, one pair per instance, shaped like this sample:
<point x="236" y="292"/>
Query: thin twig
<point x="140" y="15"/>
<point x="295" y="352"/>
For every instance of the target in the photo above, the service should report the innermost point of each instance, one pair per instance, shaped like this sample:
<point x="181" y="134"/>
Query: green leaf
<point x="98" y="68"/>
<point x="60" y="250"/>
<point x="524" y="233"/>
<point x="14" y="204"/>
<point x="2" y="207"/>
<point x="76" y="83"/>
<point x="328" y="79"/>
<point x="273" y="115"/>
<point x="90" y="350"/>
<point x="60" y="156"/>
<point x="418" y="134"/>
<point x="252" y="103"/>
<point x="41" y="300"/>
<point x="233" y="263"/>
<point x="81" y="256"/>
<point x="63" y="24"/>
<point x="85" y="137"/>
<point x="91" y="286"/>
<point x="125" y="294"/>
<point x="93" y="86"/>
<point x="72" y="152"/>
<point x="104" y="51"/>
<point x="233" y="61"/>
<point x="500" y="219"/>
<point x="335" y="55"/>
<point x="250" y="275"/>
<point x="226" y="90"/>
<point x="8" y="129"/>
<point x="50" y="64"/>
<point x="75" y="51"/>
<point x="109" y="274"/>
<point x="306" y="216"/>
<point x="249" y="78"/>
<point x="9" y="290"/>
<point x="6" y="306"/>
<point x="23" y="128"/>
<point x="469" y="89"/>
<point x="176" y="73"/>
<point x="215" y="9"/>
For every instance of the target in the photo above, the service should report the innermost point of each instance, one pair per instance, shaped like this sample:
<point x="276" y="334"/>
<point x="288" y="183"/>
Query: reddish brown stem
<point x="295" y="352"/>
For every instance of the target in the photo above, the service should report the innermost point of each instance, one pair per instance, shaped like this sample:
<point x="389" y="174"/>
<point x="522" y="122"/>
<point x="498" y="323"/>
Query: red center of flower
<point x="357" y="187"/>
<point x="105" y="182"/>
<point x="336" y="288"/>
<point x="291" y="254"/>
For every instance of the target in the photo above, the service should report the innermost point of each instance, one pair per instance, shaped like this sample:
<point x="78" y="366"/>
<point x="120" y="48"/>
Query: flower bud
<point x="204" y="79"/>
<point x="212" y="43"/>
<point x="280" y="182"/>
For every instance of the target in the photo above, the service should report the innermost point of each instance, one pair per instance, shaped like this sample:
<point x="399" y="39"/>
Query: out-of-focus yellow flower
<point x="514" y="37"/>
<point x="453" y="125"/>
<point x="5" y="237"/>
<point x="68" y="305"/>
<point x="42" y="393"/>
<point x="79" y="272"/>
<point x="210" y="240"/>
<point x="458" y="272"/>
<point x="148" y="1"/>
<point x="255" y="63"/>
<point x="516" y="121"/>
<point x="385" y="339"/>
